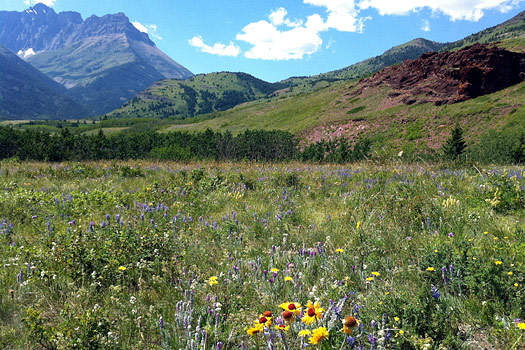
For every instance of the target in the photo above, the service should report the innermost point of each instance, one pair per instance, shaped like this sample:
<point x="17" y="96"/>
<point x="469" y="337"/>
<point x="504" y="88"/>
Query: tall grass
<point x="188" y="256"/>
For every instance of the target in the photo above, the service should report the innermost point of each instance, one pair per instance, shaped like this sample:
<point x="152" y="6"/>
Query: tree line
<point x="253" y="145"/>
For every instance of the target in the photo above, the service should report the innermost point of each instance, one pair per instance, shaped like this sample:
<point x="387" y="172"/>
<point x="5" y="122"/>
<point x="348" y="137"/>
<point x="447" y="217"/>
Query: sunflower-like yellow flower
<point x="282" y="327"/>
<point x="266" y="321"/>
<point x="318" y="335"/>
<point x="304" y="333"/>
<point x="349" y="323"/>
<point x="294" y="308"/>
<point x="257" y="328"/>
<point x="314" y="312"/>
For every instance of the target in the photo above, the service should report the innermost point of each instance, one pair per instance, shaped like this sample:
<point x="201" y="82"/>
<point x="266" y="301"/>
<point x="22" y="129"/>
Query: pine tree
<point x="519" y="150"/>
<point x="455" y="145"/>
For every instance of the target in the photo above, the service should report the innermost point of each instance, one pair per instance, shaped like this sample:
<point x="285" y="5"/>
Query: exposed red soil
<point x="450" y="77"/>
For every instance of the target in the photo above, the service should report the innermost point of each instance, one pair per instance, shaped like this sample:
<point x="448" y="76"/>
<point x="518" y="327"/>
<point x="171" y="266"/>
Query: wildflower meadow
<point x="143" y="255"/>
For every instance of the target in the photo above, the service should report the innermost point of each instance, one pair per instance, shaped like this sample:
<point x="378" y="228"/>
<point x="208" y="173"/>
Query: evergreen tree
<point x="519" y="150"/>
<point x="455" y="145"/>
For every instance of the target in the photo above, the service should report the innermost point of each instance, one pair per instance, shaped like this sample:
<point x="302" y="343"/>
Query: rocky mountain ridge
<point x="103" y="61"/>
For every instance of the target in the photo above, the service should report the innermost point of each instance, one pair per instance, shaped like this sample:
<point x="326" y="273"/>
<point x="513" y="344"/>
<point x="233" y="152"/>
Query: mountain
<point x="200" y="94"/>
<point x="102" y="61"/>
<point x="27" y="93"/>
<point x="410" y="50"/>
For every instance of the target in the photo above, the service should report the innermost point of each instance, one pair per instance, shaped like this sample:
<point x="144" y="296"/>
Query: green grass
<point x="371" y="240"/>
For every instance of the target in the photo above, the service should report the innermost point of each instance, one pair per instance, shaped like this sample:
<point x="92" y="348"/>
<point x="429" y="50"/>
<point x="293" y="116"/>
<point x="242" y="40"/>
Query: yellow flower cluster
<point x="311" y="313"/>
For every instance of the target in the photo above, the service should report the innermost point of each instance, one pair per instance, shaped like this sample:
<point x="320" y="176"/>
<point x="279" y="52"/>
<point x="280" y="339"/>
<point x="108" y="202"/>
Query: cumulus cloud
<point x="150" y="29"/>
<point x="271" y="43"/>
<point x="279" y="38"/>
<point x="277" y="18"/>
<point x="342" y="14"/>
<point x="425" y="25"/>
<point x="217" y="48"/>
<point x="470" y="10"/>
<point x="45" y="2"/>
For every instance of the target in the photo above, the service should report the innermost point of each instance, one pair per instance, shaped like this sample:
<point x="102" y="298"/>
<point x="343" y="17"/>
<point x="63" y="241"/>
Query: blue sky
<point x="276" y="39"/>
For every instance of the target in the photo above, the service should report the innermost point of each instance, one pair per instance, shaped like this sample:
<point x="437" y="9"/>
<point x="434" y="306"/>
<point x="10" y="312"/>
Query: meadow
<point x="144" y="255"/>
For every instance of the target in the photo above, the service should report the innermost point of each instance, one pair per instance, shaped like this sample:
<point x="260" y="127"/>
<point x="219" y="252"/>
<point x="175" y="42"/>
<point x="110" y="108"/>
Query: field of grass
<point x="189" y="256"/>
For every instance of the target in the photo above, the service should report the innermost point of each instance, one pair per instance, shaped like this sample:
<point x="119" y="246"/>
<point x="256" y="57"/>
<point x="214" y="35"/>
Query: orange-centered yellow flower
<point x="349" y="323"/>
<point x="318" y="335"/>
<point x="294" y="308"/>
<point x="266" y="321"/>
<point x="314" y="312"/>
<point x="258" y="328"/>
<point x="282" y="327"/>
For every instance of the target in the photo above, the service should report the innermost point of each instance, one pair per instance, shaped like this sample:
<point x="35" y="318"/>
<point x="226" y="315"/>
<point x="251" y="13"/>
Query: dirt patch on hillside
<point x="449" y="77"/>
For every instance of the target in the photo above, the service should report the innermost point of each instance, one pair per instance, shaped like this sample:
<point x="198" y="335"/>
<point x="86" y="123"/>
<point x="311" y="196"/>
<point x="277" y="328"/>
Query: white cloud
<point x="277" y="18"/>
<point x="280" y="38"/>
<point x="270" y="43"/>
<point x="150" y="29"/>
<point x="342" y="14"/>
<point x="217" y="48"/>
<point x="471" y="10"/>
<point x="34" y="2"/>
<point x="425" y="25"/>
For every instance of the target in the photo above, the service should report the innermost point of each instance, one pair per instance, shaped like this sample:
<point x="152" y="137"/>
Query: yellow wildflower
<point x="282" y="327"/>
<point x="274" y="270"/>
<point x="376" y="273"/>
<point x="349" y="323"/>
<point x="370" y="279"/>
<point x="258" y="328"/>
<point x="122" y="268"/>
<point x="294" y="308"/>
<point x="498" y="262"/>
<point x="314" y="312"/>
<point x="318" y="335"/>
<point x="396" y="319"/>
<point x="288" y="278"/>
<point x="521" y="325"/>
<point x="213" y="281"/>
<point x="339" y="250"/>
<point x="304" y="333"/>
<point x="430" y="269"/>
<point x="358" y="224"/>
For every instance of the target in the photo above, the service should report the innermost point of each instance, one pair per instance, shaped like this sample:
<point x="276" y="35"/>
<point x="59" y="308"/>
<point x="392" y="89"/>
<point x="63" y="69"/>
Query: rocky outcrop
<point x="450" y="77"/>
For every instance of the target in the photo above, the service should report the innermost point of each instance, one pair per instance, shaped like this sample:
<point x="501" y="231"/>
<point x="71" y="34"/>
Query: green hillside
<point x="410" y="50"/>
<point x="511" y="29"/>
<point x="334" y="111"/>
<point x="25" y="92"/>
<point x="199" y="94"/>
